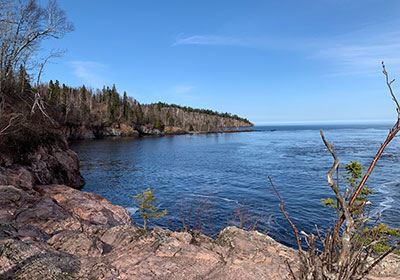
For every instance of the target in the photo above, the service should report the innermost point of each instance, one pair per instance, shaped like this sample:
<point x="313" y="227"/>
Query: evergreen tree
<point x="51" y="96"/>
<point x="83" y="94"/>
<point x="145" y="201"/>
<point x="125" y="105"/>
<point x="57" y="92"/>
<point x="23" y="81"/>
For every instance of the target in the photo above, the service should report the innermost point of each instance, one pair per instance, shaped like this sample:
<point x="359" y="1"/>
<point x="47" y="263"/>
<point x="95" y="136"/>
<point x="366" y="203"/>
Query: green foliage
<point x="385" y="235"/>
<point x="352" y="178"/>
<point x="145" y="201"/>
<point x="158" y="124"/>
<point x="82" y="105"/>
<point x="201" y="111"/>
<point x="24" y="86"/>
<point x="138" y="113"/>
<point x="125" y="107"/>
<point x="354" y="172"/>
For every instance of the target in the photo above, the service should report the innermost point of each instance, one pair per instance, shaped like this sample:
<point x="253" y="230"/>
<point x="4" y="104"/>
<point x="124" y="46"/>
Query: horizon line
<point x="381" y="121"/>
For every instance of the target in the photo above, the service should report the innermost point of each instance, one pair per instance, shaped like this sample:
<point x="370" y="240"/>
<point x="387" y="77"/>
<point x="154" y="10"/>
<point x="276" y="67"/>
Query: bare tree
<point x="195" y="213"/>
<point x="246" y="217"/>
<point x="23" y="26"/>
<point x="346" y="252"/>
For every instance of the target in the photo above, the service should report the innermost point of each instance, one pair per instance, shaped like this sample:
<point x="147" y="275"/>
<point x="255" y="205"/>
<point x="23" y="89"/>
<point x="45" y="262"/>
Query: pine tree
<point x="23" y="81"/>
<point x="57" y="92"/>
<point x="51" y="93"/>
<point x="145" y="201"/>
<point x="125" y="107"/>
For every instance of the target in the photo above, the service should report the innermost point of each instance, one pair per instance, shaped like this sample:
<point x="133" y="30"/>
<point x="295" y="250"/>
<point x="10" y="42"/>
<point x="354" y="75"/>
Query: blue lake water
<point x="232" y="168"/>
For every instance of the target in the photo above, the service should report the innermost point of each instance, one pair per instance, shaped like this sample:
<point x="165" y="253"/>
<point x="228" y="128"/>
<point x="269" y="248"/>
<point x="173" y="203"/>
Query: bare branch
<point x="53" y="54"/>
<point x="392" y="133"/>
<point x="9" y="124"/>
<point x="298" y="239"/>
<point x="23" y="26"/>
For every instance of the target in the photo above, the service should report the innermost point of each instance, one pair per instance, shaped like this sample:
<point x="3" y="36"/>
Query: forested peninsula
<point x="87" y="113"/>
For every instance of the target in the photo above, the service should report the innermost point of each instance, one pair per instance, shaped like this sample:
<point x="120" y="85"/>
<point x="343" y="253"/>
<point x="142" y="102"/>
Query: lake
<point x="221" y="172"/>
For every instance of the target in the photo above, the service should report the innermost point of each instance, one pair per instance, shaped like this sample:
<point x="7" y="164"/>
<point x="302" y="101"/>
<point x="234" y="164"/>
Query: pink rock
<point x="87" y="206"/>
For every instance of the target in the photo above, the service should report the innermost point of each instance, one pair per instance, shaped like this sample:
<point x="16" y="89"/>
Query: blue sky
<point x="268" y="61"/>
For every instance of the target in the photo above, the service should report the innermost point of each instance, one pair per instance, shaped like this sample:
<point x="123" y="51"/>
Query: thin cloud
<point x="359" y="52"/>
<point x="183" y="92"/>
<point x="179" y="93"/>
<point x="361" y="59"/>
<point x="207" y="40"/>
<point x="265" y="43"/>
<point x="182" y="89"/>
<point x="90" y="72"/>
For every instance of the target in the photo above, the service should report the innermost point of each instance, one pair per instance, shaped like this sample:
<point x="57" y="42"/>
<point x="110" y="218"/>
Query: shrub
<point x="145" y="201"/>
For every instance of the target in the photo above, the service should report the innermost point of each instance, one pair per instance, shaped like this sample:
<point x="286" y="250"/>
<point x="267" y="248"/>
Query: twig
<point x="286" y="216"/>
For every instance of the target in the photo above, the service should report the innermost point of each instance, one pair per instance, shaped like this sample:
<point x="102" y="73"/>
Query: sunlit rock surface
<point x="57" y="232"/>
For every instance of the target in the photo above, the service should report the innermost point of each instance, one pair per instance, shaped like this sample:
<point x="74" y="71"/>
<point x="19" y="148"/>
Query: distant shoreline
<point x="223" y="131"/>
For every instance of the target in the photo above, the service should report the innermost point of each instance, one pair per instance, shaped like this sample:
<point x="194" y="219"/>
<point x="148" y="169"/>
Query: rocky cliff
<point x="164" y="121"/>
<point x="56" y="232"/>
<point x="51" y="163"/>
<point x="168" y="116"/>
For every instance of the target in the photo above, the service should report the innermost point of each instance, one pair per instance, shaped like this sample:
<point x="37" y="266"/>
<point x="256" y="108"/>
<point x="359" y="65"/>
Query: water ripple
<point x="233" y="170"/>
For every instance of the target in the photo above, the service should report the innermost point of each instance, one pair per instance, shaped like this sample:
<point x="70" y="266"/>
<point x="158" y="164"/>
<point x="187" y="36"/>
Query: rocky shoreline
<point x="51" y="230"/>
<point x="123" y="130"/>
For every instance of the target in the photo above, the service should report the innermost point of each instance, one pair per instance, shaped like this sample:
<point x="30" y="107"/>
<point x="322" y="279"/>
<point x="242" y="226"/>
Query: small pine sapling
<point x="145" y="201"/>
<point x="353" y="175"/>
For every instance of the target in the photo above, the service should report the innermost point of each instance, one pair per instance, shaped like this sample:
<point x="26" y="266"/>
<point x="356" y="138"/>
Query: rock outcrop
<point x="57" y="232"/>
<point x="51" y="163"/>
<point x="81" y="132"/>
<point x="158" y="122"/>
<point x="190" y="121"/>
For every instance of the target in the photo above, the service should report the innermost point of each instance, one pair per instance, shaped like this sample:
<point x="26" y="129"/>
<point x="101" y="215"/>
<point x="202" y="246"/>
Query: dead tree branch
<point x="392" y="133"/>
<point x="298" y="239"/>
<point x="345" y="252"/>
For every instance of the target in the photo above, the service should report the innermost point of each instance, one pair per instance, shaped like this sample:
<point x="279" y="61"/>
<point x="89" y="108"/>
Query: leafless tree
<point x="245" y="216"/>
<point x="24" y="24"/>
<point x="346" y="251"/>
<point x="195" y="213"/>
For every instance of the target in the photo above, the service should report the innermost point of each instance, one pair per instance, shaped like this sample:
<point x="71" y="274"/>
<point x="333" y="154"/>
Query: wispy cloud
<point x="207" y="40"/>
<point x="362" y="59"/>
<point x="179" y="93"/>
<point x="182" y="89"/>
<point x="267" y="43"/>
<point x="359" y="52"/>
<point x="90" y="72"/>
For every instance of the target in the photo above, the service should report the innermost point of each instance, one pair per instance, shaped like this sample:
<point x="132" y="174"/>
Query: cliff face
<point x="190" y="121"/>
<point x="51" y="163"/>
<point x="80" y="132"/>
<point x="157" y="121"/>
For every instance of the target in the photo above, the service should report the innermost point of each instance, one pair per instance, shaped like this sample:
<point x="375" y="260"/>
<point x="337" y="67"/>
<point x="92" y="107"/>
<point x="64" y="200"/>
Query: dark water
<point x="232" y="169"/>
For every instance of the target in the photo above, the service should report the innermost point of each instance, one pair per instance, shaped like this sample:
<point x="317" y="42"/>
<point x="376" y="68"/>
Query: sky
<point x="268" y="61"/>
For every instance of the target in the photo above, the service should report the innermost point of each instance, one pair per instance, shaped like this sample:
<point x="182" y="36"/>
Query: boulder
<point x="89" y="207"/>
